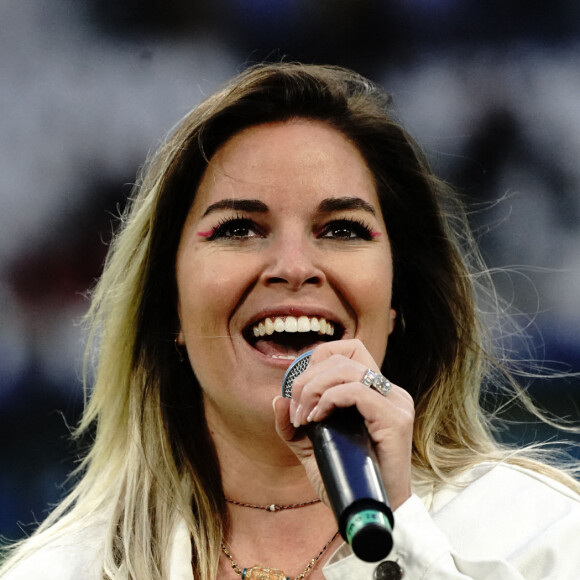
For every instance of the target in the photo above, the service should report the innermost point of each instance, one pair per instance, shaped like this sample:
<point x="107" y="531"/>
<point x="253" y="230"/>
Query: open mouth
<point x="286" y="337"/>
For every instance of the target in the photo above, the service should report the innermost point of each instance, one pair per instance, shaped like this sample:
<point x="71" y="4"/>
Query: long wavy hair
<point x="152" y="460"/>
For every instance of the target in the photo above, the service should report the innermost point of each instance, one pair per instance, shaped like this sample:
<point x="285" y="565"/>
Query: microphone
<point x="349" y="469"/>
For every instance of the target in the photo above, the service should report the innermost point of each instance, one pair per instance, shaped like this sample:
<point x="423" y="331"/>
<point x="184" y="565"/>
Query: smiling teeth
<point x="293" y="324"/>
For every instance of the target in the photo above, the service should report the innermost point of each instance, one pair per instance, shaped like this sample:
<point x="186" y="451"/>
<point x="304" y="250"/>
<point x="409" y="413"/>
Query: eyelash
<point x="360" y="229"/>
<point x="219" y="232"/>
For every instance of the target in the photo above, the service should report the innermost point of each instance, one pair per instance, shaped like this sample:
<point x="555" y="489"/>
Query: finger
<point x="335" y="367"/>
<point x="325" y="375"/>
<point x="334" y="370"/>
<point x="352" y="349"/>
<point x="372" y="405"/>
<point x="283" y="425"/>
<point x="338" y="360"/>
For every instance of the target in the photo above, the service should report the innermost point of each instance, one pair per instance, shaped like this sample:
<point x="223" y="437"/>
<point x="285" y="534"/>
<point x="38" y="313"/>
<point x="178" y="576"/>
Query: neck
<point x="256" y="465"/>
<point x="258" y="468"/>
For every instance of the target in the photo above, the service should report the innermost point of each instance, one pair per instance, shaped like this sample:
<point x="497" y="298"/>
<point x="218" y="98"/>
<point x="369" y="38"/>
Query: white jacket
<point x="499" y="522"/>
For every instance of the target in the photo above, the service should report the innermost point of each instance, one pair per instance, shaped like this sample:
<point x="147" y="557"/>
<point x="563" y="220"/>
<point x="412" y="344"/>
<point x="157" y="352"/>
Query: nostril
<point x="292" y="266"/>
<point x="313" y="280"/>
<point x="293" y="282"/>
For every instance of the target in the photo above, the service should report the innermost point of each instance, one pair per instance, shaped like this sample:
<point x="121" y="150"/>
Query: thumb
<point x="284" y="428"/>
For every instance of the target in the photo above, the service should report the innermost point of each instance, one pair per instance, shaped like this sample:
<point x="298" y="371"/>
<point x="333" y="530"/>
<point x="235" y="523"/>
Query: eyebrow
<point x="333" y="204"/>
<point x="328" y="205"/>
<point x="249" y="205"/>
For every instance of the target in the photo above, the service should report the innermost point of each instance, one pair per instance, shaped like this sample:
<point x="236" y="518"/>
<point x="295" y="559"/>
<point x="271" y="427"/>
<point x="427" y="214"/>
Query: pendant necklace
<point x="260" y="573"/>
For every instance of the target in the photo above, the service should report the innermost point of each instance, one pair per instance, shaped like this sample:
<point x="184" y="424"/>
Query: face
<point x="284" y="247"/>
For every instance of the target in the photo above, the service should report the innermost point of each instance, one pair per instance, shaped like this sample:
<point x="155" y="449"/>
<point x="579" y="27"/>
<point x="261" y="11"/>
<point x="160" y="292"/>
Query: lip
<point x="296" y="311"/>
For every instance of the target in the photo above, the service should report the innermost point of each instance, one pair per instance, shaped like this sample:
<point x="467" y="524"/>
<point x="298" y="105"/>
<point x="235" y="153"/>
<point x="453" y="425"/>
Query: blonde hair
<point x="152" y="460"/>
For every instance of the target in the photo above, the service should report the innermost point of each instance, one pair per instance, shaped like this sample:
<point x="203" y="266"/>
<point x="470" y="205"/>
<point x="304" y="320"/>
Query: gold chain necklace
<point x="273" y="507"/>
<point x="260" y="573"/>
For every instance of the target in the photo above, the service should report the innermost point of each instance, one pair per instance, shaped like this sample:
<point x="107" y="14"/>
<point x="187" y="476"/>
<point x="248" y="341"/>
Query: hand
<point x="332" y="379"/>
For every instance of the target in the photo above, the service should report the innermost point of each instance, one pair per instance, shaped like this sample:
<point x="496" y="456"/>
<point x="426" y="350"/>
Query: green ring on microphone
<point x="361" y="519"/>
<point x="369" y="532"/>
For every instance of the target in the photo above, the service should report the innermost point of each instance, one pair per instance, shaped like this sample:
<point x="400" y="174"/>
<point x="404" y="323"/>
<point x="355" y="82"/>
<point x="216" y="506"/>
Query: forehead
<point x="287" y="161"/>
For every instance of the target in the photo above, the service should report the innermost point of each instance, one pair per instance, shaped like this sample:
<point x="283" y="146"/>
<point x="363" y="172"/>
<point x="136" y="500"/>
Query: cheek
<point x="204" y="303"/>
<point x="373" y="279"/>
<point x="371" y="290"/>
<point x="208" y="291"/>
<point x="201" y="297"/>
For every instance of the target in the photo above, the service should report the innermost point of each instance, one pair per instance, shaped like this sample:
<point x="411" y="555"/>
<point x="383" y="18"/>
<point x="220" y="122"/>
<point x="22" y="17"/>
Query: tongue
<point x="297" y="344"/>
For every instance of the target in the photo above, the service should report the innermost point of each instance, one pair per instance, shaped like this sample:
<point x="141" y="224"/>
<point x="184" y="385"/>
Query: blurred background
<point x="490" y="88"/>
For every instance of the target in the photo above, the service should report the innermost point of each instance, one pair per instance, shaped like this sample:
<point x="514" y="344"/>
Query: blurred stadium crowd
<point x="490" y="88"/>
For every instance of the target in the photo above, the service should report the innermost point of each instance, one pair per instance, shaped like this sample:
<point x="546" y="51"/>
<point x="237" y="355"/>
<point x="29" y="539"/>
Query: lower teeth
<point x="284" y="356"/>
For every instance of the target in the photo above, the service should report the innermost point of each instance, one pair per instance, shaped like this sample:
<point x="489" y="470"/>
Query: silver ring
<point x="377" y="382"/>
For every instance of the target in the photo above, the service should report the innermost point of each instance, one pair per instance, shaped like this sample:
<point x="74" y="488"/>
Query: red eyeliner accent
<point x="206" y="234"/>
<point x="375" y="234"/>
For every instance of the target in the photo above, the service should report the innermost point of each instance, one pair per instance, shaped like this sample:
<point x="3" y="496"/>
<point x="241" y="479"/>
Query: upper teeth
<point x="293" y="324"/>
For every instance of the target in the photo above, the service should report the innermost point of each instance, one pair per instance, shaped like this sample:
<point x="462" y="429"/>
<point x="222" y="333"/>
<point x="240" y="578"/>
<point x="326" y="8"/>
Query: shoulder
<point x="500" y="492"/>
<point x="495" y="516"/>
<point x="505" y="507"/>
<point x="68" y="556"/>
<point x="504" y="484"/>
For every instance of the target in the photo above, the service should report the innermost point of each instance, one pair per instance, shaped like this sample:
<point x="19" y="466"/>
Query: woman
<point x="290" y="212"/>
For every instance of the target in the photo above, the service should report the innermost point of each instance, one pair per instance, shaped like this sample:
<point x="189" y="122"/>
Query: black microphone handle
<point x="348" y="466"/>
<point x="349" y="469"/>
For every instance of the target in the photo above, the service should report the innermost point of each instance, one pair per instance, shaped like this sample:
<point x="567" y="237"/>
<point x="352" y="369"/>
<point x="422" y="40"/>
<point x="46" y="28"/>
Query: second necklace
<point x="273" y="507"/>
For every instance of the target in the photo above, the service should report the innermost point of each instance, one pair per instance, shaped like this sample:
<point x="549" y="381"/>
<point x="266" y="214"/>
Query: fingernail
<point x="297" y="416"/>
<point x="312" y="414"/>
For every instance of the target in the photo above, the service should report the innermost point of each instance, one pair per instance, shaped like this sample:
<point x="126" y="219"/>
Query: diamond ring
<point x="377" y="382"/>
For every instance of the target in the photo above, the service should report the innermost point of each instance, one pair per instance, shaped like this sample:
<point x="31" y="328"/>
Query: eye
<point x="346" y="229"/>
<point x="237" y="228"/>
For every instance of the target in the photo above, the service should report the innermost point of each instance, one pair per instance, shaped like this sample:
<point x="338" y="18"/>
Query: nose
<point x="293" y="261"/>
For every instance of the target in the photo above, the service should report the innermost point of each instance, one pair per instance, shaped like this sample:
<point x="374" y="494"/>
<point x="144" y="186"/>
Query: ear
<point x="393" y="315"/>
<point x="180" y="338"/>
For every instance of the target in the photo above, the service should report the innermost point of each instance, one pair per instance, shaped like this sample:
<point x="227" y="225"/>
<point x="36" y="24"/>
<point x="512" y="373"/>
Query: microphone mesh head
<point x="297" y="367"/>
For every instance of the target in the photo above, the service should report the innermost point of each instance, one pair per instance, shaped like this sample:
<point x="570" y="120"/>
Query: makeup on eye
<point x="328" y="224"/>
<point x="341" y="229"/>
<point x="347" y="229"/>
<point x="236" y="228"/>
